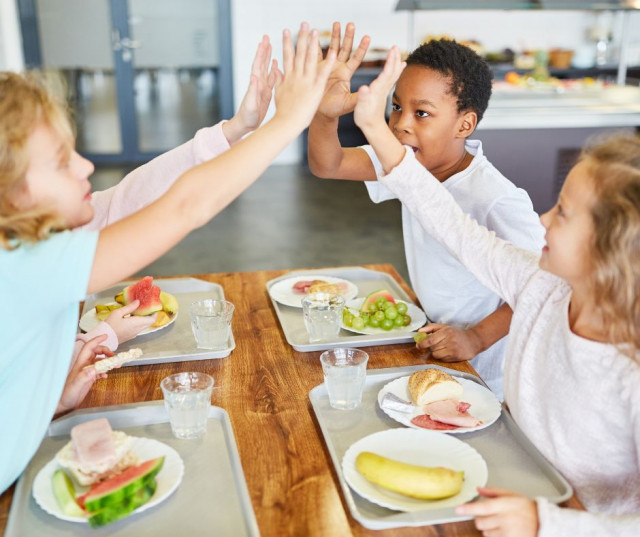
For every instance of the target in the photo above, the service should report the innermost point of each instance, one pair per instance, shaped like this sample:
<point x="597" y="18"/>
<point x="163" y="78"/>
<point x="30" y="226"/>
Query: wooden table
<point x="264" y="386"/>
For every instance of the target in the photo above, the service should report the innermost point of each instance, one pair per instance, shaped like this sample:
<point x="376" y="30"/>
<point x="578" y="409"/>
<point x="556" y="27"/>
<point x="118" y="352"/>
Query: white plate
<point x="484" y="405"/>
<point x="90" y="320"/>
<point x="168" y="479"/>
<point x="418" y="319"/>
<point x="424" y="448"/>
<point x="283" y="293"/>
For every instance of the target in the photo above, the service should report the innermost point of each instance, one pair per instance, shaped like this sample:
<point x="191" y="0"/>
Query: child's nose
<point x="403" y="124"/>
<point x="84" y="167"/>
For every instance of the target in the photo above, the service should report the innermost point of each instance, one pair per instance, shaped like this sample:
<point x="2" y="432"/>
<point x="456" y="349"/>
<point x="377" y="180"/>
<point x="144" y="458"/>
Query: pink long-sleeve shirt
<point x="577" y="400"/>
<point x="143" y="186"/>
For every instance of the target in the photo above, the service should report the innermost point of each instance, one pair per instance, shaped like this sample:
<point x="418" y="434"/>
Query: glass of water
<point x="187" y="398"/>
<point x="322" y="315"/>
<point x="345" y="371"/>
<point x="211" y="323"/>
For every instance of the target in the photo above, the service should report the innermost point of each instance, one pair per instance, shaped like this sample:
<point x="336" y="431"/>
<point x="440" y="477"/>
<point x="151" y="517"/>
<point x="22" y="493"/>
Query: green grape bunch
<point x="381" y="314"/>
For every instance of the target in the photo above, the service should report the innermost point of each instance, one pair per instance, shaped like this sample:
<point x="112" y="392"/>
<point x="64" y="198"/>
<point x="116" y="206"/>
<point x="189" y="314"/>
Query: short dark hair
<point x="469" y="74"/>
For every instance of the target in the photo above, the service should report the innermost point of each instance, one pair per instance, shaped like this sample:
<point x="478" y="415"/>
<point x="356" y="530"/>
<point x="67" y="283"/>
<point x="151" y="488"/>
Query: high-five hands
<point x="299" y="89"/>
<point x="338" y="99"/>
<point x="255" y="103"/>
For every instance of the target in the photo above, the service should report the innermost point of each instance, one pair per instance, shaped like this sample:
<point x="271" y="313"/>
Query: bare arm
<point x="327" y="158"/>
<point x="451" y="344"/>
<point x="202" y="192"/>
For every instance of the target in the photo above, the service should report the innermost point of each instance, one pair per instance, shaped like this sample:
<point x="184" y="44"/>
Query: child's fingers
<point x="258" y="59"/>
<point x="347" y="43"/>
<point x="358" y="55"/>
<point x="273" y="74"/>
<point x="495" y="492"/>
<point x="127" y="310"/>
<point x="324" y="70"/>
<point x="334" y="44"/>
<point x="310" y="65"/>
<point x="278" y="75"/>
<point x="302" y="46"/>
<point x="287" y="51"/>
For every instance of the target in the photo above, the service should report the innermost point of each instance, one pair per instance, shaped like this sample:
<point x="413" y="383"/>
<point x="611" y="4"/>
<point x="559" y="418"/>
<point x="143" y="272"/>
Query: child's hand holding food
<point x="127" y="326"/>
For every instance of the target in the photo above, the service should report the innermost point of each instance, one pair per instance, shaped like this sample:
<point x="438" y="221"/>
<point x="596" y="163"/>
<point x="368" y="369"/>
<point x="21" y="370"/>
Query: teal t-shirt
<point x="40" y="287"/>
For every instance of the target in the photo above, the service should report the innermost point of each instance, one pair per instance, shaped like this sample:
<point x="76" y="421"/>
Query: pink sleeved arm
<point x="150" y="181"/>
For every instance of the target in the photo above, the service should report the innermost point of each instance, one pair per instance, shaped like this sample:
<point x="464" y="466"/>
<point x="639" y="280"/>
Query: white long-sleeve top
<point x="577" y="400"/>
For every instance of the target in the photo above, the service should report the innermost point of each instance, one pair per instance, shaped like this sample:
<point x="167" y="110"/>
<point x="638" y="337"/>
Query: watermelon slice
<point x="147" y="293"/>
<point x="125" y="507"/>
<point x="372" y="297"/>
<point x="115" y="490"/>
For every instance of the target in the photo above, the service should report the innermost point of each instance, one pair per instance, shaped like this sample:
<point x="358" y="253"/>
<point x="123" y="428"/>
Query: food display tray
<point x="367" y="281"/>
<point x="174" y="343"/>
<point x="512" y="460"/>
<point x="212" y="498"/>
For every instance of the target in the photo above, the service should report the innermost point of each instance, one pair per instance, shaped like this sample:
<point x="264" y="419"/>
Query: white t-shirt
<point x="577" y="400"/>
<point x="449" y="293"/>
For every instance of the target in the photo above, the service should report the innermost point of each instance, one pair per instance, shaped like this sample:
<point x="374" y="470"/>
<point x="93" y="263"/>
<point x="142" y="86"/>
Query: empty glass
<point x="187" y="398"/>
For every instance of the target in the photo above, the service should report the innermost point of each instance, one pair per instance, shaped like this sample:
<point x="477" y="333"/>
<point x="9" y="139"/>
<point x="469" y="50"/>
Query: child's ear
<point x="467" y="124"/>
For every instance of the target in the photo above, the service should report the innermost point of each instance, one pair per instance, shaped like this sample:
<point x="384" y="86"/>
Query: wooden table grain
<point x="264" y="386"/>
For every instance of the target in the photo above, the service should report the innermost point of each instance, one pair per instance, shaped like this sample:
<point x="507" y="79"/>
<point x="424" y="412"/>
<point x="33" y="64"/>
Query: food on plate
<point x="429" y="385"/>
<point x="319" y="286"/>
<point x="379" y="310"/>
<point x="393" y="402"/>
<point x="438" y="394"/>
<point x="147" y="293"/>
<point x="107" y="364"/>
<point x="421" y="482"/>
<point x="65" y="494"/>
<point x="373" y="297"/>
<point x="96" y="452"/>
<point x="152" y="300"/>
<point x="100" y="457"/>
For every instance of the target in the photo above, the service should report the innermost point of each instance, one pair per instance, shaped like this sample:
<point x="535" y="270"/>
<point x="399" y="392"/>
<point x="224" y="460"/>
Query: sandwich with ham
<point x="439" y="395"/>
<point x="96" y="452"/>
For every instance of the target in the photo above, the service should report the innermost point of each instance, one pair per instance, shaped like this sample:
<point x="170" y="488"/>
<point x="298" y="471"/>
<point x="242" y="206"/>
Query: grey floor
<point x="287" y="219"/>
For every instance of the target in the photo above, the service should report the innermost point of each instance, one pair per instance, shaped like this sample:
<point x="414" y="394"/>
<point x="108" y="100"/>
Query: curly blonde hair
<point x="25" y="103"/>
<point x="615" y="170"/>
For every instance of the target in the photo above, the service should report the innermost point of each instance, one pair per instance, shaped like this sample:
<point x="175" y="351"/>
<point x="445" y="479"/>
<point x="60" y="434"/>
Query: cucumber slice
<point x="65" y="494"/>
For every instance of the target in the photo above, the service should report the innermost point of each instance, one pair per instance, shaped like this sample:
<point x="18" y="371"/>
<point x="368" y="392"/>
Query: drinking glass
<point x="211" y="322"/>
<point x="187" y="397"/>
<point x="322" y="315"/>
<point x="345" y="370"/>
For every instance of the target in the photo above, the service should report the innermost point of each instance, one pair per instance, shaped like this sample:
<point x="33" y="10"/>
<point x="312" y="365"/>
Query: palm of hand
<point x="337" y="99"/>
<point x="253" y="112"/>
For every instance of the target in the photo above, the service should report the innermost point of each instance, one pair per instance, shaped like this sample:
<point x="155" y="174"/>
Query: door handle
<point x="125" y="44"/>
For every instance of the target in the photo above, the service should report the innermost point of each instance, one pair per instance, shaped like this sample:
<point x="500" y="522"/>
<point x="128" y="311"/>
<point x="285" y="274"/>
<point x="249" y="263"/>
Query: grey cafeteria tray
<point x="212" y="498"/>
<point x="513" y="462"/>
<point x="174" y="343"/>
<point x="367" y="281"/>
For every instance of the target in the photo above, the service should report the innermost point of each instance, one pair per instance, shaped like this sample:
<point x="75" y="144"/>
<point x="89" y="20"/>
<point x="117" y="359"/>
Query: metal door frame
<point x="124" y="74"/>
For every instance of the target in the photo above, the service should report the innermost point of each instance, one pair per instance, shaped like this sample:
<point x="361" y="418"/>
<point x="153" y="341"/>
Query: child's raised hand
<point x="338" y="99"/>
<point x="299" y="89"/>
<point x="127" y="326"/>
<point x="255" y="103"/>
<point x="450" y="344"/>
<point x="80" y="377"/>
<point x="503" y="513"/>
<point x="372" y="99"/>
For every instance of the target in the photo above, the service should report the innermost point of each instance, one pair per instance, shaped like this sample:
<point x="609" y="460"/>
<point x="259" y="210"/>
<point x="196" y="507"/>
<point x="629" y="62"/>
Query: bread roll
<point x="430" y="385"/>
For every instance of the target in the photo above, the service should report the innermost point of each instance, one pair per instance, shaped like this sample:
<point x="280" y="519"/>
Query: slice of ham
<point x="451" y="412"/>
<point x="302" y="286"/>
<point x="93" y="443"/>
<point x="426" y="422"/>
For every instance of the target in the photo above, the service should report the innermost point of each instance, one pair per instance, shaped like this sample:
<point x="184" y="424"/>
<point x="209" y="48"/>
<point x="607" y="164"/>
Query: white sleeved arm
<point x="559" y="522"/>
<point x="150" y="181"/>
<point x="498" y="264"/>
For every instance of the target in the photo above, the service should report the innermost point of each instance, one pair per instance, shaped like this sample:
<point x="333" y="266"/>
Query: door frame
<point x="124" y="74"/>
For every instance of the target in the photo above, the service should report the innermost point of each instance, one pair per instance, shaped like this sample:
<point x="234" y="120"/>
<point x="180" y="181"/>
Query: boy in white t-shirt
<point x="438" y="101"/>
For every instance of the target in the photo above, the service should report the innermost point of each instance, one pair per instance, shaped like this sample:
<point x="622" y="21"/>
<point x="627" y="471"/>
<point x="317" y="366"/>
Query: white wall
<point x="11" y="58"/>
<point x="494" y="29"/>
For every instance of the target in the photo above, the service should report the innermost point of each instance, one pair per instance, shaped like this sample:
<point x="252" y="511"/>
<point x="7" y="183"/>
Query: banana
<point x="169" y="302"/>
<point x="419" y="482"/>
